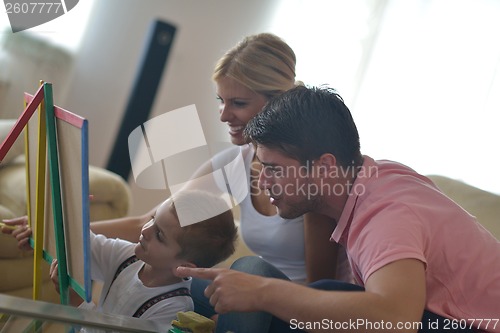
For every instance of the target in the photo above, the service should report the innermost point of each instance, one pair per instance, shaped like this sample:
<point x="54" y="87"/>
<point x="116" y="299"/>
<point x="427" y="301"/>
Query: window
<point x="421" y="77"/>
<point x="66" y="30"/>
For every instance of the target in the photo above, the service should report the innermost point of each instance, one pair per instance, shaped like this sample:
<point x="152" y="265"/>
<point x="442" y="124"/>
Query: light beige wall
<point x="107" y="62"/>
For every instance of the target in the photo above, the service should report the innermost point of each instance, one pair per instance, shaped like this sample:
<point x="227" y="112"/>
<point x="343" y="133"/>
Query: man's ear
<point x="325" y="164"/>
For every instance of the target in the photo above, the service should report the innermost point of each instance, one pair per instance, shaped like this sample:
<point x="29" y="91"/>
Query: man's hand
<point x="21" y="231"/>
<point x="230" y="290"/>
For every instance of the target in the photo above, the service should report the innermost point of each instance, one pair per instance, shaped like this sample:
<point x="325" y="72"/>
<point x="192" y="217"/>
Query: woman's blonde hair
<point x="263" y="63"/>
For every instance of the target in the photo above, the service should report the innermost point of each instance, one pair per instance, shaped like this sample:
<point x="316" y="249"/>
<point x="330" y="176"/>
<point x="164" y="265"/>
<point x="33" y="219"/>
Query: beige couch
<point x="111" y="200"/>
<point x="485" y="206"/>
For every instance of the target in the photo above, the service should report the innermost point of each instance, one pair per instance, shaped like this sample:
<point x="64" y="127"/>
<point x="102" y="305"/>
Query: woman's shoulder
<point x="230" y="154"/>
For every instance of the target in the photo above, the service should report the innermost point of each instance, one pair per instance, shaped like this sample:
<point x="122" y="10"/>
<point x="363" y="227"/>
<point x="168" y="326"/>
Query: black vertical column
<point x="150" y="72"/>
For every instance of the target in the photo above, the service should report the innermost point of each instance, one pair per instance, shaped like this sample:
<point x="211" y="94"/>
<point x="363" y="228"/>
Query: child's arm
<point x="18" y="228"/>
<point x="126" y="228"/>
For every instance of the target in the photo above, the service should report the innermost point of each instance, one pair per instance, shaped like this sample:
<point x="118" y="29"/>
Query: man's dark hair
<point x="306" y="122"/>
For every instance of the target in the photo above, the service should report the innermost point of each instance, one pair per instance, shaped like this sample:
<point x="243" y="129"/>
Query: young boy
<point x="138" y="279"/>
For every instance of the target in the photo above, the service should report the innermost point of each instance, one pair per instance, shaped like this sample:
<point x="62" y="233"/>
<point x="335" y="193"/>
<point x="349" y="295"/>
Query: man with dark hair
<point x="421" y="262"/>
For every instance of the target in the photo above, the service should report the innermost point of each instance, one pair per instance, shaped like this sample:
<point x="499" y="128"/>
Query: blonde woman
<point x="257" y="69"/>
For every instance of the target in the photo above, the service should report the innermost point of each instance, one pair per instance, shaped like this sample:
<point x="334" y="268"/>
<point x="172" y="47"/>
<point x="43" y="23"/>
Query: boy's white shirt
<point x="127" y="293"/>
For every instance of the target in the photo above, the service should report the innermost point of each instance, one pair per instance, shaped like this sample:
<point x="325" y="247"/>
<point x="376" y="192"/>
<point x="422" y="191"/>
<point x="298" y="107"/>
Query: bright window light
<point x="66" y="30"/>
<point x="326" y="37"/>
<point x="421" y="77"/>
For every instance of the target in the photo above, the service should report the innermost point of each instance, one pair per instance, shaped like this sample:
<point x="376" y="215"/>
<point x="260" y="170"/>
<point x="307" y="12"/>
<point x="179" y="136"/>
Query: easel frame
<point x="51" y="136"/>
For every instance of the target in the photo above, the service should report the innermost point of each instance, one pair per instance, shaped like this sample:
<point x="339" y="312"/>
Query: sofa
<point x="111" y="200"/>
<point x="484" y="205"/>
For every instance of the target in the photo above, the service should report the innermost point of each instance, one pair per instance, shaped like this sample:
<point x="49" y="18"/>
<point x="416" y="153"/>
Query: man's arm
<point x="395" y="295"/>
<point x="321" y="254"/>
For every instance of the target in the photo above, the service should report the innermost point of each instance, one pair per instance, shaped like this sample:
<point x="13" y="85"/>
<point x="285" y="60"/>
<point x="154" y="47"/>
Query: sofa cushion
<point x="111" y="195"/>
<point x="13" y="188"/>
<point x="18" y="273"/>
<point x="485" y="206"/>
<point x="17" y="148"/>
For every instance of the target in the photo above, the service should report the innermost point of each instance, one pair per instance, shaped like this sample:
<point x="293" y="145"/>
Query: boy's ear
<point x="188" y="264"/>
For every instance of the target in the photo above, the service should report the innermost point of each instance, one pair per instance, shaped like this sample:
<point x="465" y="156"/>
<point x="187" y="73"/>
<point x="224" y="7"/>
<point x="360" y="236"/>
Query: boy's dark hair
<point x="210" y="241"/>
<point x="306" y="122"/>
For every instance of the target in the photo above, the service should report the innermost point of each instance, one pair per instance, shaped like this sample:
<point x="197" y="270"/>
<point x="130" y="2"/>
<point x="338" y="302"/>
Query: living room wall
<point x="106" y="64"/>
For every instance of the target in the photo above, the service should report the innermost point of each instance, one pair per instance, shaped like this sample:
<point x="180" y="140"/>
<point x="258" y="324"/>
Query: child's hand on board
<point x="19" y="229"/>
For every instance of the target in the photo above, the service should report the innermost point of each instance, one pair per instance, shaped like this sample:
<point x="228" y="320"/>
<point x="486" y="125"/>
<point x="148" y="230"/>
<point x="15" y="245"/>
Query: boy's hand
<point x="21" y="231"/>
<point x="54" y="275"/>
<point x="9" y="225"/>
<point x="74" y="298"/>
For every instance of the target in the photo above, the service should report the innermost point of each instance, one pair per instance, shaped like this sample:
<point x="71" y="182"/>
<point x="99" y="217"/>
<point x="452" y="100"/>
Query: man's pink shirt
<point x="393" y="213"/>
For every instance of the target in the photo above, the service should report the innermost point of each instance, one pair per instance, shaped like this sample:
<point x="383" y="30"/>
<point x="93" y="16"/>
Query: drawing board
<point x="67" y="192"/>
<point x="72" y="143"/>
